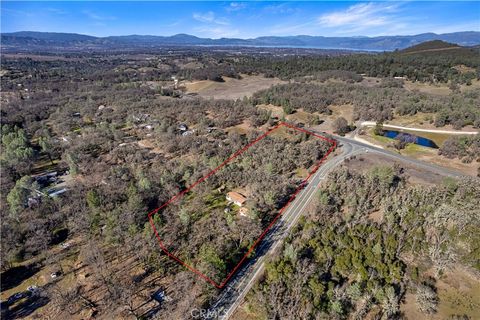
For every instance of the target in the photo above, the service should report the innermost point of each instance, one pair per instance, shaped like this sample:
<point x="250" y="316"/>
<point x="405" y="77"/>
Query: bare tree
<point x="340" y="125"/>
<point x="427" y="299"/>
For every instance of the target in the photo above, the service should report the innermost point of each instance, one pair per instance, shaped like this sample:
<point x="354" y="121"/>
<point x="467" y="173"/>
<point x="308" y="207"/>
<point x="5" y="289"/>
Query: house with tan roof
<point x="236" y="198"/>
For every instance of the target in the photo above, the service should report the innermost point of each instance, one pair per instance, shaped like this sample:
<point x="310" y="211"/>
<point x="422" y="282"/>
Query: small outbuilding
<point x="243" y="211"/>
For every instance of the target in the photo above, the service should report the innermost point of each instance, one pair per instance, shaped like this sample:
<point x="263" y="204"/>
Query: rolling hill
<point x="440" y="48"/>
<point x="29" y="40"/>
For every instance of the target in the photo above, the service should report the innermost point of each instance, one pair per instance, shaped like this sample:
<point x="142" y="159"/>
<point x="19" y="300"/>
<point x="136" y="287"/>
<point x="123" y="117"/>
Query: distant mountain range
<point x="25" y="40"/>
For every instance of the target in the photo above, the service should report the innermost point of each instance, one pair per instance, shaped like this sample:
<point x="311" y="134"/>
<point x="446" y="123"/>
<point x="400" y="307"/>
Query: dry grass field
<point x="438" y="89"/>
<point x="458" y="293"/>
<point x="230" y="88"/>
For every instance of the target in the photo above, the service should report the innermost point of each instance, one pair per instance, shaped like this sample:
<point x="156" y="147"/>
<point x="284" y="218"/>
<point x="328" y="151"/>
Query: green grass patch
<point x="301" y="172"/>
<point x="383" y="140"/>
<point x="412" y="149"/>
<point x="215" y="200"/>
<point x="45" y="163"/>
<point x="188" y="196"/>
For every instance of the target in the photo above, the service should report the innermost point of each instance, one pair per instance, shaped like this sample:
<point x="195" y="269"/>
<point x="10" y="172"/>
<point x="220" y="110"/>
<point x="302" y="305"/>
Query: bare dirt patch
<point x="414" y="175"/>
<point x="243" y="128"/>
<point x="370" y="82"/>
<point x="474" y="86"/>
<point x="300" y="115"/>
<point x="345" y="111"/>
<point x="458" y="293"/>
<point x="147" y="144"/>
<point x="276" y="110"/>
<point x="438" y="89"/>
<point x="468" y="168"/>
<point x="410" y="309"/>
<point x="376" y="216"/>
<point x="230" y="88"/>
<point x="464" y="69"/>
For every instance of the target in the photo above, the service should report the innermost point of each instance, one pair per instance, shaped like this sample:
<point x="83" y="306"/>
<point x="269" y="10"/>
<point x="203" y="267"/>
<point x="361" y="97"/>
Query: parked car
<point x="32" y="289"/>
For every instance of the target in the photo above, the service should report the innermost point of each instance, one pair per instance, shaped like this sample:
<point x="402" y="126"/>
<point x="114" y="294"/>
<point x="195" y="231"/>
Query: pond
<point x="410" y="138"/>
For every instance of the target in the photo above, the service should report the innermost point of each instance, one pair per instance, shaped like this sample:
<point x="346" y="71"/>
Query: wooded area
<point x="266" y="174"/>
<point x="92" y="142"/>
<point x="369" y="239"/>
<point x="377" y="103"/>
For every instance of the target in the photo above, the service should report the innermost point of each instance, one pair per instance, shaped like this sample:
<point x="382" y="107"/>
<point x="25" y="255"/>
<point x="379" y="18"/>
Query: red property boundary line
<point x="236" y="154"/>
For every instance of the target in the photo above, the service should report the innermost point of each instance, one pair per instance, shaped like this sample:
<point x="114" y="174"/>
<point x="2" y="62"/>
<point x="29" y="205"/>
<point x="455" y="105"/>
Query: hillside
<point x="440" y="48"/>
<point x="51" y="36"/>
<point x="437" y="45"/>
<point x="27" y="40"/>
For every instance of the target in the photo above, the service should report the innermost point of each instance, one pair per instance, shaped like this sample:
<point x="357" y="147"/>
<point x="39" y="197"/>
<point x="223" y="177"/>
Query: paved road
<point x="238" y="287"/>
<point x="373" y="123"/>
<point x="399" y="157"/>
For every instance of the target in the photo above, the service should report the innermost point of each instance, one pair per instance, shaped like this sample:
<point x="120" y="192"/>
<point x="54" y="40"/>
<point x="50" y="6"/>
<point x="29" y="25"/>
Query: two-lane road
<point x="418" y="163"/>
<point x="240" y="284"/>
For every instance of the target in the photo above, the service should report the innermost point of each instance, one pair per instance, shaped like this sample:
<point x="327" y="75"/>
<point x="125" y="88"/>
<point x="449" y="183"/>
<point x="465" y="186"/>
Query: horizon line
<point x="240" y="38"/>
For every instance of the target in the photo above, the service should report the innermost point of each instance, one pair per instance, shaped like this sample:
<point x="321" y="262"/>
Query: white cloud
<point x="95" y="16"/>
<point x="56" y="11"/>
<point x="17" y="13"/>
<point x="174" y="23"/>
<point x="209" y="17"/>
<point x="236" y="6"/>
<point x="361" y="16"/>
<point x="213" y="26"/>
<point x="282" y="8"/>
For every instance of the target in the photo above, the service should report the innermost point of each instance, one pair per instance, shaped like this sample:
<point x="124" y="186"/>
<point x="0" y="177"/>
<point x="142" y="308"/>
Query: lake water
<point x="411" y="138"/>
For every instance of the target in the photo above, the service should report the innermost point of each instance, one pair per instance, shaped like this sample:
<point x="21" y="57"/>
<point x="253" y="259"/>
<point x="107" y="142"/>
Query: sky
<point x="216" y="19"/>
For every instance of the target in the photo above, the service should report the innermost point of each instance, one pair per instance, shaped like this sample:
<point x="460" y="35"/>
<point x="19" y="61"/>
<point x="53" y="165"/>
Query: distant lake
<point x="410" y="138"/>
<point x="280" y="46"/>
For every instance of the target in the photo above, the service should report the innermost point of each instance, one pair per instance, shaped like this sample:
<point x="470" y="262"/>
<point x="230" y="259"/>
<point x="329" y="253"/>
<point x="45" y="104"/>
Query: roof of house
<point x="236" y="197"/>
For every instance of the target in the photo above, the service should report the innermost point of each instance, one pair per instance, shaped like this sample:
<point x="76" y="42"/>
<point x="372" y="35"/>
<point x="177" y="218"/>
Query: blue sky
<point x="217" y="19"/>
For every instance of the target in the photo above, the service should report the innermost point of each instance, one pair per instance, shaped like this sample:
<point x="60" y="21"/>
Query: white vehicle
<point x="32" y="289"/>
